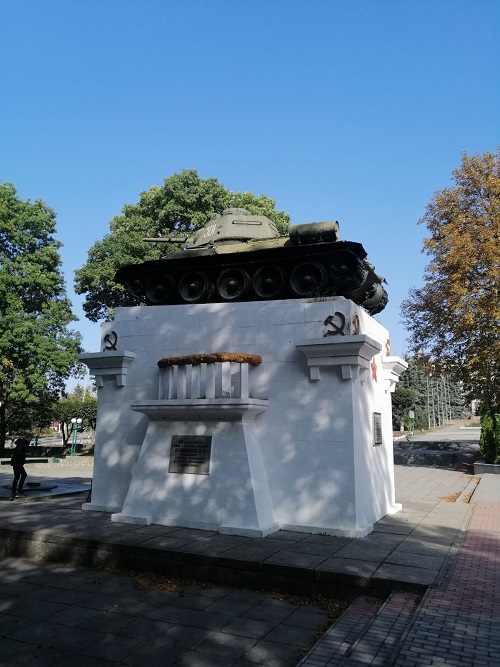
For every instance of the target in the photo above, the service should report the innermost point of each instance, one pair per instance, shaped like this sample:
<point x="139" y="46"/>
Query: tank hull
<point x="260" y="270"/>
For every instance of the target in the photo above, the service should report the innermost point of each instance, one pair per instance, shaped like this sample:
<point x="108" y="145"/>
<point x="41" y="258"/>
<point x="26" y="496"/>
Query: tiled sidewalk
<point x="460" y="625"/>
<point x="457" y="624"/>
<point x="406" y="550"/>
<point x="69" y="616"/>
<point x="438" y="540"/>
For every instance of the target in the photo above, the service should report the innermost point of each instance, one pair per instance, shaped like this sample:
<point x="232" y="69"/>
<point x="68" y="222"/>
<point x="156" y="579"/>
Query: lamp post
<point x="75" y="422"/>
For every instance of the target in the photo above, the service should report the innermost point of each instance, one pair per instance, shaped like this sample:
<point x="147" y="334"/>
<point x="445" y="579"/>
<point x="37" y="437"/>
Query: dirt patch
<point x="143" y="580"/>
<point x="452" y="498"/>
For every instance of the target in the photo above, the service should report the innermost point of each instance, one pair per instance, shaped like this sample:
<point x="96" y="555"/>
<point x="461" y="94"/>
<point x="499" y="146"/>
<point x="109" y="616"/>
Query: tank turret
<point x="239" y="256"/>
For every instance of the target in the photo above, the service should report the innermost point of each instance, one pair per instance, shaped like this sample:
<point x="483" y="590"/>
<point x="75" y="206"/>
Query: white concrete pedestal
<point x="305" y="443"/>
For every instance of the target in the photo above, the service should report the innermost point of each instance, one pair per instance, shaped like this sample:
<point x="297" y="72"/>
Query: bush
<point x="489" y="443"/>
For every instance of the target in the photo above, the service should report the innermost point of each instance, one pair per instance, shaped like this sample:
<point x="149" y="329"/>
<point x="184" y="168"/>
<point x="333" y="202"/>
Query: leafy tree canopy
<point x="454" y="318"/>
<point x="434" y="399"/>
<point x="37" y="350"/>
<point x="403" y="400"/>
<point x="78" y="404"/>
<point x="489" y="442"/>
<point x="31" y="416"/>
<point x="183" y="204"/>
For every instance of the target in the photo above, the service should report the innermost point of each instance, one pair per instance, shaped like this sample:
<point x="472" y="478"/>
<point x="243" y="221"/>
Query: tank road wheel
<point x="347" y="272"/>
<point x="376" y="299"/>
<point x="134" y="284"/>
<point x="232" y="284"/>
<point x="269" y="282"/>
<point x="160" y="289"/>
<point x="195" y="287"/>
<point x="308" y="279"/>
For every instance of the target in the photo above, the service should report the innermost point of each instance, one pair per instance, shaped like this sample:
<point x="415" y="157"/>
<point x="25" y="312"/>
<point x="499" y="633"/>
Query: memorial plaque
<point x="377" y="428"/>
<point x="190" y="454"/>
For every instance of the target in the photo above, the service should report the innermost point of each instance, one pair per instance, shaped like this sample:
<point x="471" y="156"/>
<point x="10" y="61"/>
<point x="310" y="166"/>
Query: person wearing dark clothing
<point x="17" y="462"/>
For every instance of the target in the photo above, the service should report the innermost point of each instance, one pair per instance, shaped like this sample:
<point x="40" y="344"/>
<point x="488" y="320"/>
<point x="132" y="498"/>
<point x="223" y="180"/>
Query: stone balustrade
<point x="206" y="376"/>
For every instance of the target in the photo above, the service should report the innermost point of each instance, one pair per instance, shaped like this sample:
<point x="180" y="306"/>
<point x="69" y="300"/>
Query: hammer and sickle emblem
<point x="332" y="321"/>
<point x="110" y="340"/>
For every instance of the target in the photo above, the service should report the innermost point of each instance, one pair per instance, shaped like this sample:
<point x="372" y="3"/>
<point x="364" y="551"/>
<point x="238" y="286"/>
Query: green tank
<point x="242" y="257"/>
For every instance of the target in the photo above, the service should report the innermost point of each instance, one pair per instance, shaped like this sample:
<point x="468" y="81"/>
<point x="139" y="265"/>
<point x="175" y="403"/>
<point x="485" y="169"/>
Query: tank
<point x="242" y="257"/>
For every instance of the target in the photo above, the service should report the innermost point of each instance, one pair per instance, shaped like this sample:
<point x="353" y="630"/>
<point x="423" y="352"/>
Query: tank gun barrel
<point x="167" y="239"/>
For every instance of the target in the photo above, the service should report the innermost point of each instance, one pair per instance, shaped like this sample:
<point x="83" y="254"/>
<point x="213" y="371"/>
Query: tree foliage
<point x="434" y="399"/>
<point x="183" y="204"/>
<point x="37" y="350"/>
<point x="77" y="405"/>
<point x="489" y="443"/>
<point x="454" y="318"/>
<point x="32" y="415"/>
<point x="403" y="400"/>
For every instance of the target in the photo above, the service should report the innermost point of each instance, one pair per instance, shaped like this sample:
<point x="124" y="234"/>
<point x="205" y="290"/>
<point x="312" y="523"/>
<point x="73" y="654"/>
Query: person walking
<point x="17" y="462"/>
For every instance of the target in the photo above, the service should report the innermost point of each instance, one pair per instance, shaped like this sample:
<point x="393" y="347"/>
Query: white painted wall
<point x="315" y="438"/>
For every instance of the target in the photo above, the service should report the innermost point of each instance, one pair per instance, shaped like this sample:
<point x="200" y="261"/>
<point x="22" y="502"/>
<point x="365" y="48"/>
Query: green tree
<point x="436" y="399"/>
<point x="31" y="416"/>
<point x="183" y="204"/>
<point x="489" y="443"/>
<point x="37" y="350"/>
<point x="403" y="400"/>
<point x="454" y="318"/>
<point x="77" y="405"/>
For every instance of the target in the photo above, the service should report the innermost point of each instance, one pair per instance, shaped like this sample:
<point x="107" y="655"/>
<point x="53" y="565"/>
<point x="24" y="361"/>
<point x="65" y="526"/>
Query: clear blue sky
<point x="355" y="110"/>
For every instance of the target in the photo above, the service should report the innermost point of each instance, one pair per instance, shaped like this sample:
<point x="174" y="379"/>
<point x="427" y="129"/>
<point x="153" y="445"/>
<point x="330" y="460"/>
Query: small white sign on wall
<point x="377" y="428"/>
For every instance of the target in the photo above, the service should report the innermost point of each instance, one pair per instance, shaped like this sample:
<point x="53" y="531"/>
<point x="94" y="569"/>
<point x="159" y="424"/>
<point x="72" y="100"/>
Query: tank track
<point x="322" y="270"/>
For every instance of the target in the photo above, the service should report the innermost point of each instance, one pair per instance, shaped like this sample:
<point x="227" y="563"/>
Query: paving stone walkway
<point x="455" y="624"/>
<point x="60" y="615"/>
<point x="427" y="578"/>
<point x="460" y="625"/>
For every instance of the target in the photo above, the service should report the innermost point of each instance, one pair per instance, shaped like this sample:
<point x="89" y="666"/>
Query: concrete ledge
<point x="119" y="517"/>
<point x="295" y="573"/>
<point x="91" y="507"/>
<point x="424" y="457"/>
<point x="486" y="468"/>
<point x="6" y="462"/>
<point x="249" y="532"/>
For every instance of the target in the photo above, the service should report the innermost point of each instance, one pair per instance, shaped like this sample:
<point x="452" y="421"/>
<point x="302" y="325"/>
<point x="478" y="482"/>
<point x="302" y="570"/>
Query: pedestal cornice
<point x="352" y="353"/>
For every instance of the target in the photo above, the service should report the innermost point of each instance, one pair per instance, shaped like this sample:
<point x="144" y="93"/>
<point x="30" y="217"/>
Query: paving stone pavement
<point x="62" y="615"/>
<point x="431" y="524"/>
<point x="460" y="623"/>
<point x="426" y="580"/>
<point x="455" y="624"/>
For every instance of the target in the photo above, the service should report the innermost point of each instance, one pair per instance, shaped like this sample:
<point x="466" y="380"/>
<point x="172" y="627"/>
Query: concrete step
<point x="404" y="456"/>
<point x="369" y="632"/>
<point x="433" y="445"/>
<point x="418" y="457"/>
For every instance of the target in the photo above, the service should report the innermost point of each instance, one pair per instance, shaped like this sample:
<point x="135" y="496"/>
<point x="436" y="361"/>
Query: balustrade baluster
<point x="210" y="386"/>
